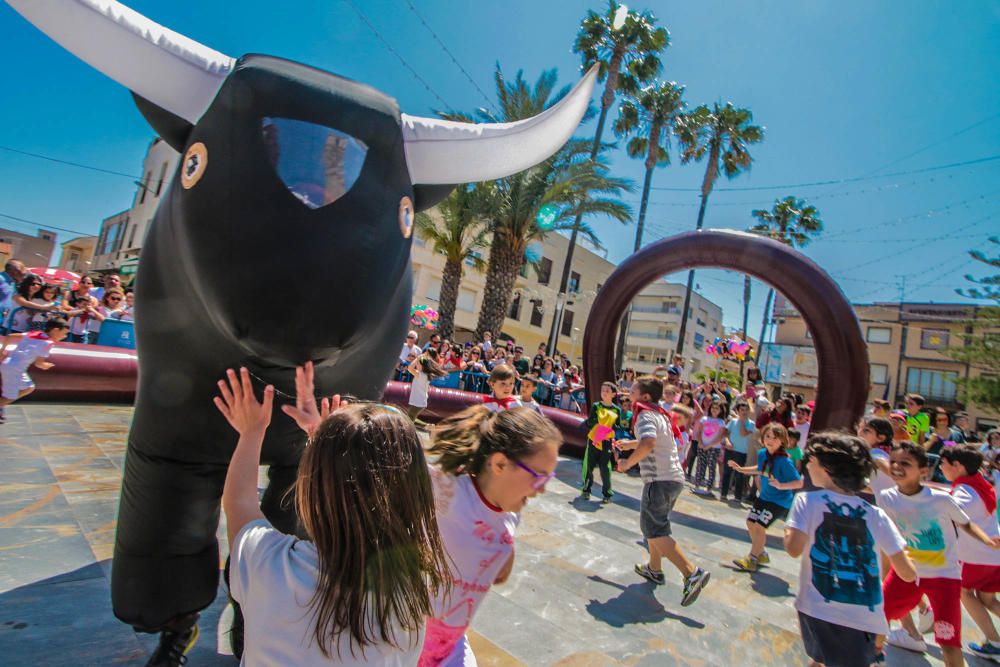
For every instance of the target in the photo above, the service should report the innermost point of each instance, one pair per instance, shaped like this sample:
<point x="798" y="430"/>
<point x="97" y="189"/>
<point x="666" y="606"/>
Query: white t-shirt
<point x="479" y="540"/>
<point x="29" y="349"/>
<point x="803" y="430"/>
<point x="839" y="579"/>
<point x="663" y="464"/>
<point x="273" y="577"/>
<point x="971" y="550"/>
<point x="407" y="350"/>
<point x="880" y="481"/>
<point x="494" y="405"/>
<point x="927" y="521"/>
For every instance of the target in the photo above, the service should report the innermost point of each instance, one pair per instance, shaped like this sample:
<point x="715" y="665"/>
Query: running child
<point x="357" y="591"/>
<point x="501" y="383"/>
<point x="778" y="480"/>
<point x="980" y="564"/>
<point x="655" y="452"/>
<point x="604" y="417"/>
<point x="31" y="349"/>
<point x="927" y="519"/>
<point x="488" y="465"/>
<point x="529" y="384"/>
<point x="713" y="433"/>
<point x="877" y="434"/>
<point x="840" y="592"/>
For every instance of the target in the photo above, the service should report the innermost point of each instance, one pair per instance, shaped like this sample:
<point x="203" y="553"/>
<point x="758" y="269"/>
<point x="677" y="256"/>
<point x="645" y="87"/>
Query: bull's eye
<point x="317" y="164"/>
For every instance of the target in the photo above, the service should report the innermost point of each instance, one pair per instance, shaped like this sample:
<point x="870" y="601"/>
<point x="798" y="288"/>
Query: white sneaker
<point x="901" y="638"/>
<point x="925" y="621"/>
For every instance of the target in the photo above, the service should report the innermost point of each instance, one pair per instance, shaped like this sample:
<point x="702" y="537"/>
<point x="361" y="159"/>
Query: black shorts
<point x="836" y="645"/>
<point x="766" y="513"/>
<point x="658" y="500"/>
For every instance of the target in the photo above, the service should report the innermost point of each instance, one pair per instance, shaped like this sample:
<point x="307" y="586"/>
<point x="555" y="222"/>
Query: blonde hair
<point x="462" y="443"/>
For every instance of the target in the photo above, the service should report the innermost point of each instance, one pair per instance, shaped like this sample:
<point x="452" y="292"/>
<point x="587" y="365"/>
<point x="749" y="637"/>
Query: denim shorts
<point x="658" y="500"/>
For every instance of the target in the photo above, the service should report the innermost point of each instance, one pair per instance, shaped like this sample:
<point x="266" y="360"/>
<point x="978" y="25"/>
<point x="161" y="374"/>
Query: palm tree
<point x="792" y="222"/>
<point x="510" y="206"/>
<point x="723" y="133"/>
<point x="626" y="46"/>
<point x="648" y="116"/>
<point x="459" y="235"/>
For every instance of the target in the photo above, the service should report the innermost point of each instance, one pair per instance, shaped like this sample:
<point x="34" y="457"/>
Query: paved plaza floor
<point x="573" y="599"/>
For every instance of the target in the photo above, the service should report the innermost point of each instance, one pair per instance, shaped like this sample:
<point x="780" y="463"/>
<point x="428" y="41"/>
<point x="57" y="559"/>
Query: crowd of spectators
<point x="27" y="302"/>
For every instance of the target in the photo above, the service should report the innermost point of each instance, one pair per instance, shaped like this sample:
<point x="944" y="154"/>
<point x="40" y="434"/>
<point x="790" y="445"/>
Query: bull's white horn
<point x="441" y="152"/>
<point x="168" y="69"/>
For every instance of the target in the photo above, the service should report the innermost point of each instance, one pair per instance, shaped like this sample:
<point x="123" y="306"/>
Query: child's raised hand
<point x="239" y="405"/>
<point x="306" y="413"/>
<point x="44" y="365"/>
<point x="732" y="464"/>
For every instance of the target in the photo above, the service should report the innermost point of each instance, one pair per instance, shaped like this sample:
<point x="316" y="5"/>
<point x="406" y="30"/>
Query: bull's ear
<point x="172" y="128"/>
<point x="426" y="196"/>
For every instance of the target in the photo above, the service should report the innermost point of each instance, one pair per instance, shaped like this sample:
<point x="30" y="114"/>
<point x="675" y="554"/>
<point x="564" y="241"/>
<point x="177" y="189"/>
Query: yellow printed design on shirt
<point x="604" y="429"/>
<point x="925" y="546"/>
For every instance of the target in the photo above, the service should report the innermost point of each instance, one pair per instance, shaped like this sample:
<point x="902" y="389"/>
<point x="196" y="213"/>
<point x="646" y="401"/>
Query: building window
<point x="879" y="335"/>
<point x="933" y="384"/>
<point x="537" y="310"/>
<point x="473" y="256"/>
<point x="159" y="183"/>
<point x="515" y="308"/>
<point x="144" y="186"/>
<point x="933" y="339"/>
<point x="567" y="323"/>
<point x="699" y="341"/>
<point x="131" y="237"/>
<point x="433" y="289"/>
<point x="879" y="373"/>
<point x="466" y="300"/>
<point x="544" y="270"/>
<point x="574" y="282"/>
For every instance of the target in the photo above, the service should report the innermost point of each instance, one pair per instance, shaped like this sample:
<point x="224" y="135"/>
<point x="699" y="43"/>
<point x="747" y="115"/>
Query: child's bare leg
<point x="20" y="395"/>
<point x="952" y="656"/>
<point x="667" y="546"/>
<point x="758" y="537"/>
<point x="990" y="601"/>
<point x="980" y="614"/>
<point x="911" y="628"/>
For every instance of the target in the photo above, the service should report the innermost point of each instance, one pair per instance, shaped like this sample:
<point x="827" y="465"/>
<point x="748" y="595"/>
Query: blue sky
<point x="845" y="90"/>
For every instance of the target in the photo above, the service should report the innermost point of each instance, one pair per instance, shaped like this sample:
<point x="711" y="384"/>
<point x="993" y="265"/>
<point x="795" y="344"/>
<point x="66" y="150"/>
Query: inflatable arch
<point x="840" y="346"/>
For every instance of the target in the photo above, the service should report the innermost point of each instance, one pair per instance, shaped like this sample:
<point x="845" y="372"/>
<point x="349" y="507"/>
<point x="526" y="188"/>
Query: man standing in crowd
<point x="434" y="342"/>
<point x="962" y="425"/>
<point x="111" y="280"/>
<point x="520" y="364"/>
<point x="409" y="347"/>
<point x="9" y="280"/>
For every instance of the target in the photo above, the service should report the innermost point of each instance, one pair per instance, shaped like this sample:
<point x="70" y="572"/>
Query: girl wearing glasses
<point x="488" y="465"/>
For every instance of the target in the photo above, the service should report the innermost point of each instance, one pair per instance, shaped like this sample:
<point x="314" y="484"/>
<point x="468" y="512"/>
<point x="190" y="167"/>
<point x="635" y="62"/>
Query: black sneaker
<point x="693" y="586"/>
<point x="606" y="500"/>
<point x="643" y="569"/>
<point x="173" y="648"/>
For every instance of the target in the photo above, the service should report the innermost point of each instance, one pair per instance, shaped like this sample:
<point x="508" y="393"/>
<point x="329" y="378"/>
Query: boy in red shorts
<point x="927" y="519"/>
<point x="980" y="564"/>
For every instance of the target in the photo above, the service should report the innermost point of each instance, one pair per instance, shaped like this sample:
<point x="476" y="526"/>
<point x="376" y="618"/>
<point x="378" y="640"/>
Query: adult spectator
<point x="434" y="342"/>
<point x="918" y="423"/>
<point x="627" y="380"/>
<point x="519" y="363"/>
<point x="83" y="292"/>
<point x="127" y="314"/>
<point x="723" y="390"/>
<point x="547" y="383"/>
<point x="26" y="303"/>
<point x="499" y="358"/>
<point x="11" y="277"/>
<point x="782" y="413"/>
<point x="942" y="432"/>
<point x="542" y="350"/>
<point x="111" y="280"/>
<point x="536" y="364"/>
<point x="410" y="347"/>
<point x="111" y="303"/>
<point x="962" y="426"/>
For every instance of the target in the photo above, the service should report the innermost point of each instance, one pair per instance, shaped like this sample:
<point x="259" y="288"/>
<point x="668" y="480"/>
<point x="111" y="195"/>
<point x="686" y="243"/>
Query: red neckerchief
<point x="37" y="334"/>
<point x="502" y="402"/>
<point x="982" y="486"/>
<point x="639" y="406"/>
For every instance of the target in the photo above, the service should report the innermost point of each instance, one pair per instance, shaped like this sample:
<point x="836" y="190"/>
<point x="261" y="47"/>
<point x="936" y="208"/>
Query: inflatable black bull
<point x="284" y="237"/>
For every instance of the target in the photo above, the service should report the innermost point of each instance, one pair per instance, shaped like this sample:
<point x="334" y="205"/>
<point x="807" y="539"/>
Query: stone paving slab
<point x="573" y="600"/>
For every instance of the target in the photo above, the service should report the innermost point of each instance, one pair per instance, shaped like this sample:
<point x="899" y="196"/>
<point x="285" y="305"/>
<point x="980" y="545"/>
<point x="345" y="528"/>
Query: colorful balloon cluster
<point x="730" y="348"/>
<point x="424" y="317"/>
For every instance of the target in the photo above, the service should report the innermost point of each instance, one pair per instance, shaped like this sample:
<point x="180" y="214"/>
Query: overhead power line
<point x="838" y="181"/>
<point x="69" y="163"/>
<point x="45" y="225"/>
<point x="396" y="53"/>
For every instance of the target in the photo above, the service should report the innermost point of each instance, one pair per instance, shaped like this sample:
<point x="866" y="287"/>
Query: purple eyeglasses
<point x="540" y="479"/>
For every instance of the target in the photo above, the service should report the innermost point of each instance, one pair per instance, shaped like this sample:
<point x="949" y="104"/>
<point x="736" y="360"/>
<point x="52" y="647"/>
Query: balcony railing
<point x="652" y="334"/>
<point x="673" y="310"/>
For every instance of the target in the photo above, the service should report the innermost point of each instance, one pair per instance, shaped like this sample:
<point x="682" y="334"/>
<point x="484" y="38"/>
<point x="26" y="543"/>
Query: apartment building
<point x="652" y="337"/>
<point x="32" y="250"/>
<point x="78" y="254"/>
<point x="905" y="344"/>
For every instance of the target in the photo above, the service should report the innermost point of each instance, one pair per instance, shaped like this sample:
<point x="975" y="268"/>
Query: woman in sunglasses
<point x="111" y="302"/>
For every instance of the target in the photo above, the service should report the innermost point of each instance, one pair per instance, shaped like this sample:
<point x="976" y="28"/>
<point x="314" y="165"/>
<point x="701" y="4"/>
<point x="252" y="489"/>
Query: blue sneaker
<point x="986" y="650"/>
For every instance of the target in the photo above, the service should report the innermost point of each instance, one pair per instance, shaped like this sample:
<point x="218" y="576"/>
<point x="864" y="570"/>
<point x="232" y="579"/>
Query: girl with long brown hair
<point x="359" y="589"/>
<point x="487" y="465"/>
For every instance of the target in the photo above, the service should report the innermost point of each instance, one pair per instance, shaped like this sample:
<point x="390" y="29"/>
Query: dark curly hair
<point x="844" y="457"/>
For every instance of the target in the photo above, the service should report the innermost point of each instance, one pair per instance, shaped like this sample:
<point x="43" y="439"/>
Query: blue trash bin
<point x="115" y="333"/>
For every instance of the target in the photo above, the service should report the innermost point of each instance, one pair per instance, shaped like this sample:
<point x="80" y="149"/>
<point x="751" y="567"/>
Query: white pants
<point x="14" y="382"/>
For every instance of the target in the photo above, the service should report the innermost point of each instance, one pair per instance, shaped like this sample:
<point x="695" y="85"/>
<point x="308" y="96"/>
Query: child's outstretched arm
<point x="795" y="541"/>
<point x="977" y="532"/>
<point x="43" y="365"/>
<point x="250" y="419"/>
<point x="306" y="413"/>
<point x="746" y="470"/>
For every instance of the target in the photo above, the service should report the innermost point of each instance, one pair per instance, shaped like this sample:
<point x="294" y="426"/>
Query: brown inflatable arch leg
<point x="840" y="348"/>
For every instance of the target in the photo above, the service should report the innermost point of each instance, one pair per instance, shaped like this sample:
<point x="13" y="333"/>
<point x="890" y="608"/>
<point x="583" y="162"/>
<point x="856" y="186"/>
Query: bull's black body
<point x="236" y="271"/>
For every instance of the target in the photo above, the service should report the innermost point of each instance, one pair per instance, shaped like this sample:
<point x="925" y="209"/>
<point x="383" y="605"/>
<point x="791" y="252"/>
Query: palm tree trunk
<point x="450" y="280"/>
<point x="690" y="283"/>
<point x="746" y="316"/>
<point x="501" y="274"/>
<point x="623" y="326"/>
